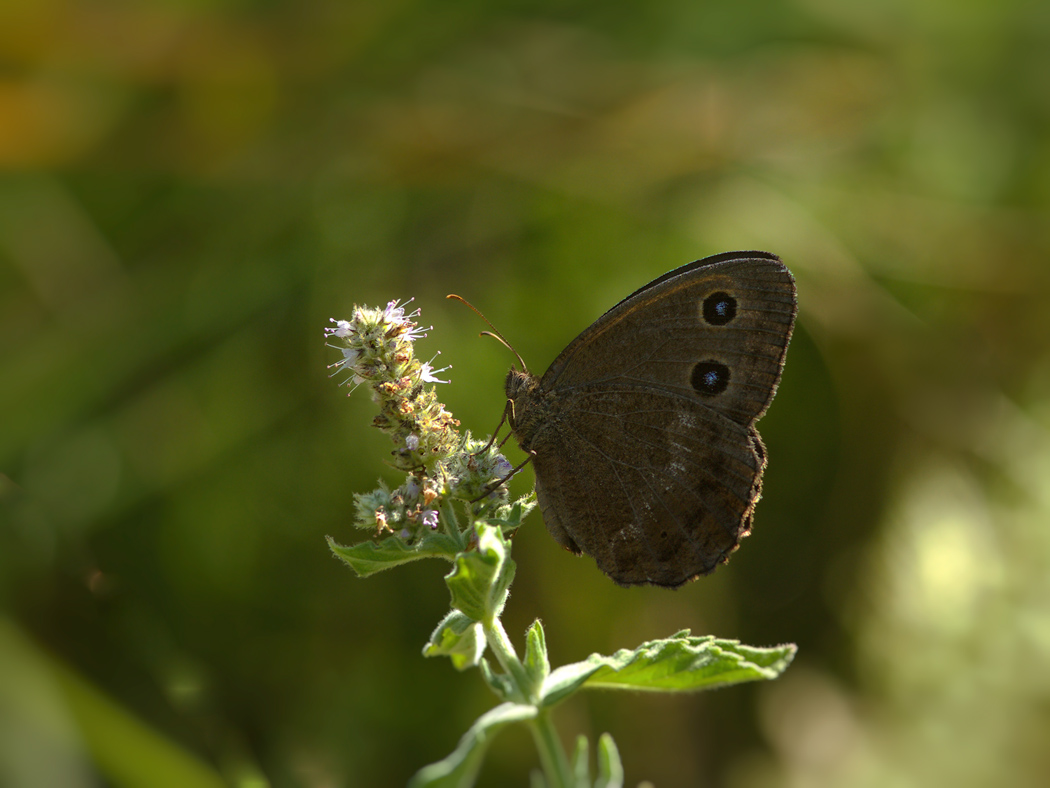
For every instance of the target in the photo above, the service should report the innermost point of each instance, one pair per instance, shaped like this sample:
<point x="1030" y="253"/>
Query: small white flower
<point x="430" y="518"/>
<point x="428" y="374"/>
<point x="416" y="332"/>
<point x="395" y="312"/>
<point x="412" y="442"/>
<point x="349" y="359"/>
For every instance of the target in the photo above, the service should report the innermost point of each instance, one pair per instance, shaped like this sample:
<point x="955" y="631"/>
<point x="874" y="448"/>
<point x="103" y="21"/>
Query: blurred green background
<point x="189" y="190"/>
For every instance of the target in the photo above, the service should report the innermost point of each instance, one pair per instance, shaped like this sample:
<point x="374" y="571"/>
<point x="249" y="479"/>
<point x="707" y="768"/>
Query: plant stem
<point x="552" y="754"/>
<point x="496" y="636"/>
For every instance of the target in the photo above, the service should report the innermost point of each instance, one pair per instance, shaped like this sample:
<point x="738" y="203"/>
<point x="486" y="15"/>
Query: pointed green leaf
<point x="537" y="665"/>
<point x="510" y="517"/>
<point x="459" y="639"/>
<point x="499" y="683"/>
<point x="367" y="558"/>
<point x="449" y="518"/>
<point x="581" y="768"/>
<point x="677" y="664"/>
<point x="610" y="769"/>
<point x="480" y="578"/>
<point x="460" y="768"/>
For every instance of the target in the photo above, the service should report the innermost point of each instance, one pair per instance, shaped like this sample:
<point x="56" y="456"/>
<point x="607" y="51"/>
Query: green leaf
<point x="581" y="768"/>
<point x="449" y="518"/>
<point x="459" y="639"/>
<point x="537" y="665"/>
<point x="461" y="767"/>
<point x="367" y="558"/>
<point x="480" y="578"/>
<point x="610" y="769"/>
<point x="500" y="683"/>
<point x="511" y="516"/>
<point x="680" y="663"/>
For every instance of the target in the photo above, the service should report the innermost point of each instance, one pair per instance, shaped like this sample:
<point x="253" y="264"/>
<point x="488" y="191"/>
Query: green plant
<point x="453" y="506"/>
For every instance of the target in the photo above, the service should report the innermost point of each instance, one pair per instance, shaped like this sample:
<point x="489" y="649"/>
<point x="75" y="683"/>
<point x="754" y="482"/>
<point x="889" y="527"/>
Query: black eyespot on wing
<point x="709" y="378"/>
<point x="719" y="308"/>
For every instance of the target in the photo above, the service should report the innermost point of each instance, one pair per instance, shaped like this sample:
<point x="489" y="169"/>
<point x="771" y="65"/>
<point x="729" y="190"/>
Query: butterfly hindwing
<point x="655" y="488"/>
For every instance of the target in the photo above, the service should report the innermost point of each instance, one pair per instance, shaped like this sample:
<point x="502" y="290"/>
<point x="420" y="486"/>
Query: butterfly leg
<point x="505" y="479"/>
<point x="495" y="432"/>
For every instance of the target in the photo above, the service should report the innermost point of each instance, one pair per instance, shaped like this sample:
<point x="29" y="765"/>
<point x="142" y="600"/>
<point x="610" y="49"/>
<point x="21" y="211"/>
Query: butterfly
<point x="642" y="432"/>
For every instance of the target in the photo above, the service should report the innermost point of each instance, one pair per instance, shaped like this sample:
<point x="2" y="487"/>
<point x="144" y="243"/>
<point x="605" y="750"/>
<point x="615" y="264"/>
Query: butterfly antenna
<point x="494" y="333"/>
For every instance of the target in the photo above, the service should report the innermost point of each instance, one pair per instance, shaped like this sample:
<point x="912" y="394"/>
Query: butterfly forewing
<point x="729" y="321"/>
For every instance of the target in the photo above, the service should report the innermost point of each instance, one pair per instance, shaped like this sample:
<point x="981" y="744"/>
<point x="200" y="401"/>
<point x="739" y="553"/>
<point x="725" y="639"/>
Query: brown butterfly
<point x="642" y="431"/>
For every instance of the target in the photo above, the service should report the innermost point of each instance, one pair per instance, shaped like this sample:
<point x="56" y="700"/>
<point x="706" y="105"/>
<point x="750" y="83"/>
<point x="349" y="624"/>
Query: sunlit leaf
<point x="459" y="638"/>
<point x="537" y="665"/>
<point x="680" y="663"/>
<point x="367" y="558"/>
<point x="480" y="578"/>
<point x="460" y="768"/>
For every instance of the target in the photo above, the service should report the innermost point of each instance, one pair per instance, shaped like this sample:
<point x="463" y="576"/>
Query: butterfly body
<point x="642" y="430"/>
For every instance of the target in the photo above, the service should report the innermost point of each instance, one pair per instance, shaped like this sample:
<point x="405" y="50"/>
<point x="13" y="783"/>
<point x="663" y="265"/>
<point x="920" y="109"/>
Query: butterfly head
<point x="528" y="404"/>
<point x="520" y="384"/>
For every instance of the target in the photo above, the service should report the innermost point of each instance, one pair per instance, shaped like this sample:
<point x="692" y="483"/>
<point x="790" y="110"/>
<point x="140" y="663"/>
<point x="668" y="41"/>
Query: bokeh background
<point x="189" y="191"/>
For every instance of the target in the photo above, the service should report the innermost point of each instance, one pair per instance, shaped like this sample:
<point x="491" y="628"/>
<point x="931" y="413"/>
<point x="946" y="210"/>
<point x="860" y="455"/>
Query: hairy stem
<point x="552" y="755"/>
<point x="496" y="636"/>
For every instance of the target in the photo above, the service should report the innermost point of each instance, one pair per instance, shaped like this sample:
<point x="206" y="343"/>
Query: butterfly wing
<point x="649" y="460"/>
<point x="733" y="312"/>
<point x="654" y="488"/>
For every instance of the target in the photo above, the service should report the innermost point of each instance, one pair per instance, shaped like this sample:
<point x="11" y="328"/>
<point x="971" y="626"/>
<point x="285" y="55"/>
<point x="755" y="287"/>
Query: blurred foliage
<point x="190" y="190"/>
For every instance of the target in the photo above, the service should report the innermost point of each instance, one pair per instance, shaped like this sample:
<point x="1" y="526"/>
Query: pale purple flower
<point x="502" y="466"/>
<point x="395" y="313"/>
<point x="342" y="329"/>
<point x="430" y="518"/>
<point x="411" y="486"/>
<point x="412" y="442"/>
